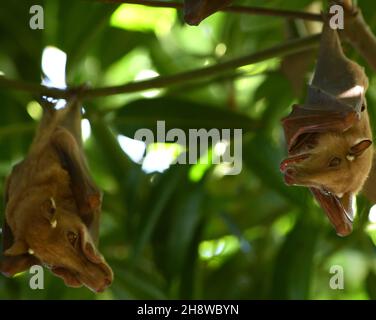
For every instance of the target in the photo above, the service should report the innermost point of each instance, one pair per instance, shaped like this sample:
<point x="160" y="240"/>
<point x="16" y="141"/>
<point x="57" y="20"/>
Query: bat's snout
<point x="287" y="167"/>
<point x="105" y="284"/>
<point x="97" y="277"/>
<point x="291" y="161"/>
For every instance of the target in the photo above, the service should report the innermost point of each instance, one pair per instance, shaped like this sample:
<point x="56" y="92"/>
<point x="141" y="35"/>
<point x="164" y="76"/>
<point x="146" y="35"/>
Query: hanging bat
<point x="53" y="206"/>
<point x="329" y="136"/>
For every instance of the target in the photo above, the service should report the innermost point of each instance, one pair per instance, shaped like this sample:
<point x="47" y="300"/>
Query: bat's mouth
<point x="95" y="282"/>
<point x="298" y="152"/>
<point x="287" y="167"/>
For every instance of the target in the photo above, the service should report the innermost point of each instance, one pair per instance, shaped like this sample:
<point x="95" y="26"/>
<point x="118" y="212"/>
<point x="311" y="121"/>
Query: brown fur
<point x="53" y="206"/>
<point x="329" y="137"/>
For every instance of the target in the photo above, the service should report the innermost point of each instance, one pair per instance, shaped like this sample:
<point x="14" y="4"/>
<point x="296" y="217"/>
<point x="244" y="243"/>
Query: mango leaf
<point x="294" y="263"/>
<point x="19" y="41"/>
<point x="159" y="198"/>
<point x="125" y="172"/>
<point x="15" y="122"/>
<point x="92" y="18"/>
<point x="277" y="101"/>
<point x="265" y="164"/>
<point x="108" y="48"/>
<point x="178" y="233"/>
<point x="137" y="283"/>
<point x="371" y="285"/>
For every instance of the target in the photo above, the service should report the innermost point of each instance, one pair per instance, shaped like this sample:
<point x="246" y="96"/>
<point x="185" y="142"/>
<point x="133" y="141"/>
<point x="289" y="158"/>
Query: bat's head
<point x="337" y="164"/>
<point x="334" y="166"/>
<point x="58" y="239"/>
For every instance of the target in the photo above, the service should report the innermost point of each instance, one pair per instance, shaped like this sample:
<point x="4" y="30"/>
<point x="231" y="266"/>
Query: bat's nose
<point x="106" y="283"/>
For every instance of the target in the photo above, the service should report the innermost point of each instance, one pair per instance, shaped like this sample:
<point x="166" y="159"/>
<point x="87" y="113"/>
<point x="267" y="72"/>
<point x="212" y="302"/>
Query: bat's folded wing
<point x="339" y="211"/>
<point x="321" y="113"/>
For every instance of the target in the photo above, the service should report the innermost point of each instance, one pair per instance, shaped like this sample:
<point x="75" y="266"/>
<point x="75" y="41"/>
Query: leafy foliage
<point x="189" y="232"/>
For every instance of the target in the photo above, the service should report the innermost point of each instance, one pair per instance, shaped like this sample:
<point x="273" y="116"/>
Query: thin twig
<point x="360" y="36"/>
<point x="284" y="49"/>
<point x="11" y="129"/>
<point x="235" y="9"/>
<point x="281" y="50"/>
<point x="275" y="13"/>
<point x="33" y="88"/>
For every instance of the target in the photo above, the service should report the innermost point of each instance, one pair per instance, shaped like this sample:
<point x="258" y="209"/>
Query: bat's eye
<point x="335" y="162"/>
<point x="72" y="238"/>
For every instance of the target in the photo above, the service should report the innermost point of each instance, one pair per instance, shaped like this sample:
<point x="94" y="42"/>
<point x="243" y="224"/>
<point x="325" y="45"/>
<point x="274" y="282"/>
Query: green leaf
<point x="294" y="265"/>
<point x="277" y="93"/>
<point x="177" y="113"/>
<point x="83" y="25"/>
<point x="371" y="284"/>
<point x="109" y="50"/>
<point x="263" y="158"/>
<point x="159" y="198"/>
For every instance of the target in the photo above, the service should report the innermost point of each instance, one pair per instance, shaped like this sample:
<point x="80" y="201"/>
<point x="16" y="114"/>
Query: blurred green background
<point x="190" y="231"/>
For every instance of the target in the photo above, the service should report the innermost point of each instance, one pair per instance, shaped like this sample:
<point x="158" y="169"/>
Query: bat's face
<point x="334" y="166"/>
<point x="61" y="241"/>
<point x="338" y="163"/>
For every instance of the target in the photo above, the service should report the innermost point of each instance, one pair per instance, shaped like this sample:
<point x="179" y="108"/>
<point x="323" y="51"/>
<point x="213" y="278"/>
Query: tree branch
<point x="360" y="35"/>
<point x="284" y="49"/>
<point x="356" y="29"/>
<point x="281" y="50"/>
<point x="33" y="88"/>
<point x="235" y="9"/>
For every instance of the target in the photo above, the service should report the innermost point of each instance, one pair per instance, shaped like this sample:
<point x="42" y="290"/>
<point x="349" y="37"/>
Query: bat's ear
<point x="18" y="248"/>
<point x="89" y="249"/>
<point x="15" y="257"/>
<point x="338" y="210"/>
<point x="358" y="149"/>
<point x="9" y="266"/>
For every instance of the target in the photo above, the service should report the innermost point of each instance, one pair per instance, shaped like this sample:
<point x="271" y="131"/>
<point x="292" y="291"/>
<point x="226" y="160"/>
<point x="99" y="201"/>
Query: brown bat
<point x="53" y="206"/>
<point x="329" y="136"/>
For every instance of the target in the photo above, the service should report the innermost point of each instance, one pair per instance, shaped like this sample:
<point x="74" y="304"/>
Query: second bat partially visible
<point x="53" y="206"/>
<point x="329" y="136"/>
